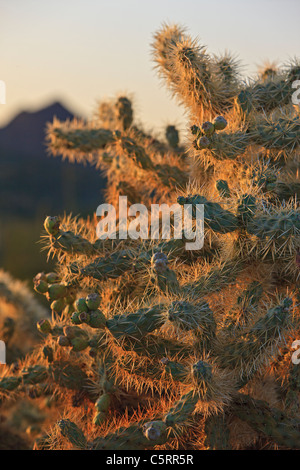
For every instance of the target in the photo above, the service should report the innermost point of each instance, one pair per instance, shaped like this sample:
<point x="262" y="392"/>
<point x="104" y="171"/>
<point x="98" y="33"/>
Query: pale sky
<point x="81" y="51"/>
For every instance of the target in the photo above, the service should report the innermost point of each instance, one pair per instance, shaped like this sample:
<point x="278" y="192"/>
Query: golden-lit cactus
<point x="163" y="347"/>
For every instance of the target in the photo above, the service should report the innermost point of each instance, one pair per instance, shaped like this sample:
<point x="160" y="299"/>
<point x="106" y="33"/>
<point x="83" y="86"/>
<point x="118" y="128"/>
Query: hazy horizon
<point x="79" y="52"/>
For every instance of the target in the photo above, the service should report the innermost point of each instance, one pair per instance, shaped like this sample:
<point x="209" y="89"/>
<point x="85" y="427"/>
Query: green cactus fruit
<point x="75" y="318"/>
<point x="96" y="319"/>
<point x="40" y="283"/>
<point x="165" y="278"/>
<point x="159" y="257"/>
<point x="52" y="225"/>
<point x="77" y="337"/>
<point x="80" y="305"/>
<point x="40" y="277"/>
<point x="203" y="142"/>
<point x="103" y="402"/>
<point x="52" y="278"/>
<point x="160" y="266"/>
<point x="220" y="123"/>
<point x="208" y="128"/>
<point x="194" y="129"/>
<point x="56" y="291"/>
<point x="44" y="326"/>
<point x="155" y="431"/>
<point x="41" y="287"/>
<point x="79" y="343"/>
<point x="58" y="305"/>
<point x="93" y="301"/>
<point x="72" y="331"/>
<point x="84" y="317"/>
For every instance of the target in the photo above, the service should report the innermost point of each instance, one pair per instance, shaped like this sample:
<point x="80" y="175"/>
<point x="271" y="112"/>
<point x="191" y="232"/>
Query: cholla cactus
<point x="152" y="346"/>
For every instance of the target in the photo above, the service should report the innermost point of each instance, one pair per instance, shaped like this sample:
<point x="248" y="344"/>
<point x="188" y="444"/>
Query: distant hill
<point x="34" y="184"/>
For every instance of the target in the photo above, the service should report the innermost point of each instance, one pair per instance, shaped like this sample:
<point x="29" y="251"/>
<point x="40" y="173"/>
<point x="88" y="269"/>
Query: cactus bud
<point x="160" y="266"/>
<point x="79" y="343"/>
<point x="52" y="278"/>
<point x="203" y="142"/>
<point x="75" y="318"/>
<point x="41" y="287"/>
<point x="208" y="128"/>
<point x="159" y="257"/>
<point x="51" y="225"/>
<point x="56" y="291"/>
<point x="70" y="331"/>
<point x="194" y="129"/>
<point x="84" y="317"/>
<point x="40" y="277"/>
<point x="93" y="301"/>
<point x="44" y="326"/>
<point x="58" y="305"/>
<point x="77" y="337"/>
<point x="154" y="430"/>
<point x="81" y="305"/>
<point x="40" y="283"/>
<point x="220" y="123"/>
<point x="97" y="319"/>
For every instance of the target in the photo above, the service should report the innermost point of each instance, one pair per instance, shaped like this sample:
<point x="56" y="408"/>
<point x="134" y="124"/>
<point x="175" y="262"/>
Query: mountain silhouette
<point x="34" y="184"/>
